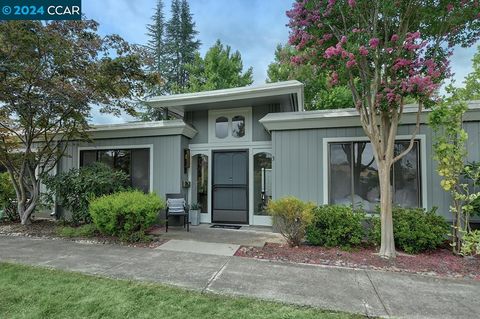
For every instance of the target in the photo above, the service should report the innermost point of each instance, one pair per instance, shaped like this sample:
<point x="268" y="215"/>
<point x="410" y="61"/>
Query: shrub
<point x="471" y="243"/>
<point x="74" y="189"/>
<point x="87" y="230"/>
<point x="291" y="216"/>
<point x="415" y="229"/>
<point x="7" y="198"/>
<point x="335" y="225"/>
<point x="125" y="214"/>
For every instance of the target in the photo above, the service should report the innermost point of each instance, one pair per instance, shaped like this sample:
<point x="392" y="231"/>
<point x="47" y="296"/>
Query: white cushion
<point x="176" y="205"/>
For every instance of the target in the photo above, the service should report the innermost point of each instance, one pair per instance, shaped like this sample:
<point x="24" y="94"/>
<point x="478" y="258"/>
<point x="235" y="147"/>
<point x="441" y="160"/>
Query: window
<point x="134" y="162"/>
<point x="238" y="126"/>
<point x="230" y="125"/>
<point x="200" y="170"/>
<point x="221" y="127"/>
<point x="262" y="182"/>
<point x="353" y="175"/>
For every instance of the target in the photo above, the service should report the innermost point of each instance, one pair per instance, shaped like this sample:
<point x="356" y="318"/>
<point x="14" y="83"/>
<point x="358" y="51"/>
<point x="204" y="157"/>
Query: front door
<point x="230" y="187"/>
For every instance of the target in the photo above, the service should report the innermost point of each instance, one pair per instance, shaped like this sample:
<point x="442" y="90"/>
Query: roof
<point x="348" y="117"/>
<point x="137" y="129"/>
<point x="246" y="94"/>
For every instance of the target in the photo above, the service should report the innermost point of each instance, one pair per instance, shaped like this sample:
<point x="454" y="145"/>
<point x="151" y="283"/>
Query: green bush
<point x="7" y="198"/>
<point x="335" y="225"/>
<point x="415" y="229"/>
<point x="291" y="217"/>
<point x="125" y="214"/>
<point x="74" y="189"/>
<point x="87" y="230"/>
<point x="471" y="243"/>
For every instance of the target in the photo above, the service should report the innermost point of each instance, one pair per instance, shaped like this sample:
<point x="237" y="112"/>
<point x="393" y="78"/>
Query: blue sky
<point x="254" y="27"/>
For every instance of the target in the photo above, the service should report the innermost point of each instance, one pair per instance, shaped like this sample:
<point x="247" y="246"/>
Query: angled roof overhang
<point x="288" y="94"/>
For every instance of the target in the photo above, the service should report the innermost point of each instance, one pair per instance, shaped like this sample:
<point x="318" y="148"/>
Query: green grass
<point x="30" y="292"/>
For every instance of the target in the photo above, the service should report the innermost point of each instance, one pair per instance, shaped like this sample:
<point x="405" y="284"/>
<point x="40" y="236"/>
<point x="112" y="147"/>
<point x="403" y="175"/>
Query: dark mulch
<point x="48" y="229"/>
<point x="440" y="262"/>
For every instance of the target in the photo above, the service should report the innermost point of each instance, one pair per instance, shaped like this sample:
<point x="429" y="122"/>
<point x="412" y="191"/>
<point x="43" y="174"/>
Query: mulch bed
<point x="436" y="263"/>
<point x="45" y="228"/>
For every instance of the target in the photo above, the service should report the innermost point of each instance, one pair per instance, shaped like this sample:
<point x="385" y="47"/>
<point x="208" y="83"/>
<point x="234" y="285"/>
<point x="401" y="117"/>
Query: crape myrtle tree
<point x="50" y="75"/>
<point x="386" y="51"/>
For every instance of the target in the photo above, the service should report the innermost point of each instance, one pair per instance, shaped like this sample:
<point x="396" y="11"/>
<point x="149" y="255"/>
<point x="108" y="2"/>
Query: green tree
<point x="181" y="44"/>
<point x="157" y="62"/>
<point x="319" y="93"/>
<point x="220" y="69"/>
<point x="50" y="75"/>
<point x="472" y="80"/>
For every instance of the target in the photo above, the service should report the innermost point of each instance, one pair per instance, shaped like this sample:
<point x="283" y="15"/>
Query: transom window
<point x="230" y="125"/>
<point x="353" y="175"/>
<point x="134" y="162"/>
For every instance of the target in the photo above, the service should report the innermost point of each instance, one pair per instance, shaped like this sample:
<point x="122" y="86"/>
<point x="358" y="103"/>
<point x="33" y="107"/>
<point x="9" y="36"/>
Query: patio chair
<point x="177" y="206"/>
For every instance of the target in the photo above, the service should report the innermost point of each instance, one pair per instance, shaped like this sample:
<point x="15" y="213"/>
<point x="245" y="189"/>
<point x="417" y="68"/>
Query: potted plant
<point x="194" y="214"/>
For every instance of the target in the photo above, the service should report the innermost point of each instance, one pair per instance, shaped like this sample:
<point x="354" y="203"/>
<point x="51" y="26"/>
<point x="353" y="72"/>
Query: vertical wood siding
<point x="298" y="162"/>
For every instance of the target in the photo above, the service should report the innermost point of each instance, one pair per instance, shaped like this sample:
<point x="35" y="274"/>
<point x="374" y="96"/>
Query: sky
<point x="253" y="27"/>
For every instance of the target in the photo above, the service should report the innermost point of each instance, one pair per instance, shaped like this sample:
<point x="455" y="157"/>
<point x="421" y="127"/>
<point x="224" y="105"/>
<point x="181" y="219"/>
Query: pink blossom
<point x="394" y="38"/>
<point x="334" y="78"/>
<point x="352" y="3"/>
<point x="296" y="59"/>
<point x="374" y="42"/>
<point x="343" y="40"/>
<point x="449" y="7"/>
<point x="356" y="30"/>
<point x="351" y="63"/>
<point x="363" y="50"/>
<point x="389" y="50"/>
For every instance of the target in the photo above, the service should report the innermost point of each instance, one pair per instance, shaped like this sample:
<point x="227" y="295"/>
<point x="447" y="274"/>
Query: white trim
<point x="246" y="112"/>
<point x="423" y="161"/>
<point x="346" y="118"/>
<point x="253" y="148"/>
<point x="240" y="93"/>
<point x="118" y="147"/>
<point x="142" y="129"/>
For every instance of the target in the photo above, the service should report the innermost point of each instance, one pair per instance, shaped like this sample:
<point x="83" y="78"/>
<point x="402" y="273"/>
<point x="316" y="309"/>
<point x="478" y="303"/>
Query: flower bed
<point x="440" y="262"/>
<point x="44" y="228"/>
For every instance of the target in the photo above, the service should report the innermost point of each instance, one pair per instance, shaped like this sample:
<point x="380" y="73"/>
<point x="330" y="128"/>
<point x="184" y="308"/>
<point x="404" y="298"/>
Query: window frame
<point x="213" y="115"/>
<point x="119" y="147"/>
<point x="421" y="163"/>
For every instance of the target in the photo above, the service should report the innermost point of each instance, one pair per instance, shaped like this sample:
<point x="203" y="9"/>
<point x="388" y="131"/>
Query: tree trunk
<point x="387" y="247"/>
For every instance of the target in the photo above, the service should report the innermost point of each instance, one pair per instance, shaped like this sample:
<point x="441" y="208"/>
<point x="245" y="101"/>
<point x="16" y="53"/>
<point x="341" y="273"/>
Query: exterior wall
<point x="298" y="162"/>
<point x="199" y="120"/>
<point x="167" y="159"/>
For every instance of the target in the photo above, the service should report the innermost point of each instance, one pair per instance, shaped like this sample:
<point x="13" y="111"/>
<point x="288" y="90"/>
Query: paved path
<point x="372" y="293"/>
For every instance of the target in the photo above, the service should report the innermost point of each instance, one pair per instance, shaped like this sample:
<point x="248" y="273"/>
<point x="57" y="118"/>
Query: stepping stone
<point x="199" y="247"/>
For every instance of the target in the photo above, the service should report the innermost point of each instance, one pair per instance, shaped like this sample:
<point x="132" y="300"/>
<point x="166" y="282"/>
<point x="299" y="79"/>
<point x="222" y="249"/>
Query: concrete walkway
<point x="372" y="293"/>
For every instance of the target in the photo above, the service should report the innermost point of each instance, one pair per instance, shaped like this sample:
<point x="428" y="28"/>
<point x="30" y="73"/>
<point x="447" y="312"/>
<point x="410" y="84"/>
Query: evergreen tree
<point x="156" y="43"/>
<point x="189" y="45"/>
<point x="158" y="62"/>
<point x="220" y="69"/>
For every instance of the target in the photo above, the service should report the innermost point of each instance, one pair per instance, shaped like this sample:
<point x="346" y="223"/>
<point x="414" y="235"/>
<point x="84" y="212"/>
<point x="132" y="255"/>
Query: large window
<point x="353" y="176"/>
<point x="134" y="162"/>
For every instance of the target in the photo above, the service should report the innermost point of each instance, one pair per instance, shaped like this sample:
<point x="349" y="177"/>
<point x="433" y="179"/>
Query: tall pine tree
<point x="181" y="44"/>
<point x="158" y="62"/>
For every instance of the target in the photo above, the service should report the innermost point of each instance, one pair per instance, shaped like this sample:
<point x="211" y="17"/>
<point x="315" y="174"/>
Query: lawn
<point x="30" y="292"/>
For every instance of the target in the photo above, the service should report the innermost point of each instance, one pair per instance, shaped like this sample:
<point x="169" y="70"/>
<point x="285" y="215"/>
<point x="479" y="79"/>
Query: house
<point x="232" y="150"/>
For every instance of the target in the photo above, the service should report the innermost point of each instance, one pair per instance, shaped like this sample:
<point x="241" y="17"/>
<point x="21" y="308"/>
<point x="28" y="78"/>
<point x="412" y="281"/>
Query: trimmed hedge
<point x="335" y="225"/>
<point x="415" y="229"/>
<point x="126" y="214"/>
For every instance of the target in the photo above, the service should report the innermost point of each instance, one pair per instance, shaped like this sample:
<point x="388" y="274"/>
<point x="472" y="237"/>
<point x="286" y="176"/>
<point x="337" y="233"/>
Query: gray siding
<point x="199" y="120"/>
<point x="298" y="162"/>
<point x="167" y="159"/>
